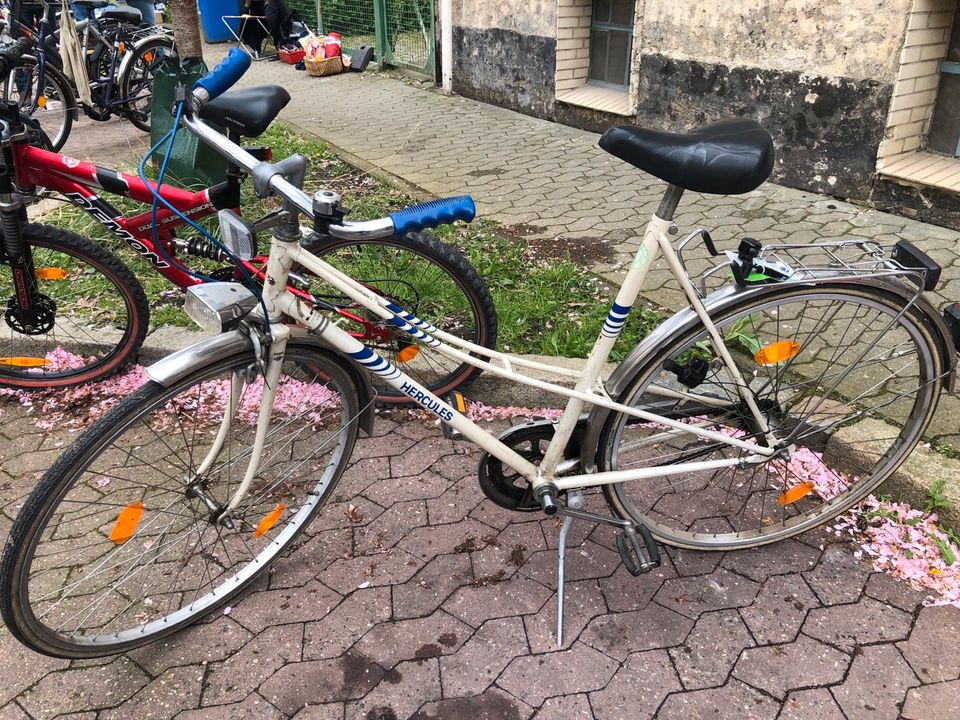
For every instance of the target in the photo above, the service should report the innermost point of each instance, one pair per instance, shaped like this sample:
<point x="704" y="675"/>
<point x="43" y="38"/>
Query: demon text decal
<point x="100" y="211"/>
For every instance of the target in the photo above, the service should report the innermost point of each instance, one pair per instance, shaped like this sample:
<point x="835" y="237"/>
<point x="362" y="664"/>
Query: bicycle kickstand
<point x="638" y="558"/>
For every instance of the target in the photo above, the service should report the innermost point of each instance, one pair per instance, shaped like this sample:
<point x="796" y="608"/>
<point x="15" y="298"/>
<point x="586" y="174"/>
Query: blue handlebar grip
<point x="225" y="74"/>
<point x="435" y="212"/>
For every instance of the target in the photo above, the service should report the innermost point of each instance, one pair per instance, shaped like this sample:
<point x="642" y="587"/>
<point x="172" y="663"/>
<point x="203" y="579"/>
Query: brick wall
<point x="573" y="43"/>
<point x="915" y="90"/>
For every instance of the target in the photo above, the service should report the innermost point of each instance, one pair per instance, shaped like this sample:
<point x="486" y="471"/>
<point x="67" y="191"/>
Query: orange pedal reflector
<point x="408" y="353"/>
<point x="27" y="362"/>
<point x="41" y="101"/>
<point x="795" y="493"/>
<point x="121" y="48"/>
<point x="50" y="273"/>
<point x="269" y="521"/>
<point x="776" y="352"/>
<point x="126" y="523"/>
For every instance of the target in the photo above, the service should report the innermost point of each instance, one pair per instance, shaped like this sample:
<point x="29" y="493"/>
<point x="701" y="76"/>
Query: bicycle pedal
<point x="638" y="550"/>
<point x="458" y="403"/>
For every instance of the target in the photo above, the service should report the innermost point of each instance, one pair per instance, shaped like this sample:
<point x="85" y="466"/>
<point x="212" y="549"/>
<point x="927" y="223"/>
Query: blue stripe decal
<point x="362" y="354"/>
<point x="615" y="321"/>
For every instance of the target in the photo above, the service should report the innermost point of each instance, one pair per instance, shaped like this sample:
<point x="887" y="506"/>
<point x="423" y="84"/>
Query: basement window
<point x="611" y="41"/>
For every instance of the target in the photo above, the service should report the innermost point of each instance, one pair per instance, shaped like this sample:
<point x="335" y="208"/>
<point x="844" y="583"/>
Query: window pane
<point x="601" y="11"/>
<point x="945" y="130"/>
<point x="598" y="55"/>
<point x="621" y="12"/>
<point x="618" y="57"/>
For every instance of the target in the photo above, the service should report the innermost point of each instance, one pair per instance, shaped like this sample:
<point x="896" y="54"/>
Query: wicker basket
<point x="323" y="66"/>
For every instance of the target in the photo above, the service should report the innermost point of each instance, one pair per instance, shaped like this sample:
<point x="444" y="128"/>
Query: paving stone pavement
<point x="429" y="602"/>
<point x="437" y="604"/>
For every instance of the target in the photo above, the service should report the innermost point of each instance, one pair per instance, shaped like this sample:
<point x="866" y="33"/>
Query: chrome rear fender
<point x="727" y="297"/>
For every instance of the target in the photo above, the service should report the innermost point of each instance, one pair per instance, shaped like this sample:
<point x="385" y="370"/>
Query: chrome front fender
<point x="725" y="298"/>
<point x="178" y="365"/>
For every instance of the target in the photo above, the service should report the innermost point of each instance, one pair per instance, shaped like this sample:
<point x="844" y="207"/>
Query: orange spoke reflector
<point x="41" y="101"/>
<point x="405" y="355"/>
<point x="776" y="352"/>
<point x="126" y="523"/>
<point x="50" y="273"/>
<point x="121" y="48"/>
<point x="269" y="521"/>
<point x="148" y="56"/>
<point x="23" y="361"/>
<point x="795" y="493"/>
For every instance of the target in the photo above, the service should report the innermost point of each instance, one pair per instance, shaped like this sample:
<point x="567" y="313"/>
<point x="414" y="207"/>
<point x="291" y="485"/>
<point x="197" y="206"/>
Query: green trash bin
<point x="192" y="163"/>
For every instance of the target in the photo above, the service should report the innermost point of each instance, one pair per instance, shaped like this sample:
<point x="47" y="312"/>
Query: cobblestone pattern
<point x="433" y="603"/>
<point x="553" y="181"/>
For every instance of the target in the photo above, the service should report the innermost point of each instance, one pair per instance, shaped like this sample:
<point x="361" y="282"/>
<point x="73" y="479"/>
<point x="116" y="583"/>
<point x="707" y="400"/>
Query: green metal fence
<point x="400" y="31"/>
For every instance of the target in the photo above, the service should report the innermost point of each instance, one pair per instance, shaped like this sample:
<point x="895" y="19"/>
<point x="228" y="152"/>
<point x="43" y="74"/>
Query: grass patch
<point x="548" y="307"/>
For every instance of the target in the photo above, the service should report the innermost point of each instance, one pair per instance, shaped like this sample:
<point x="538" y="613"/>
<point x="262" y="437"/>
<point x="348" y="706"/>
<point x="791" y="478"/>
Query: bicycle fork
<point x="26" y="311"/>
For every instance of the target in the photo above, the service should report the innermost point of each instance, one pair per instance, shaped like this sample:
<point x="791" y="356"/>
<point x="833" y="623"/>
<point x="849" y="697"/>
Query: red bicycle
<point x="74" y="313"/>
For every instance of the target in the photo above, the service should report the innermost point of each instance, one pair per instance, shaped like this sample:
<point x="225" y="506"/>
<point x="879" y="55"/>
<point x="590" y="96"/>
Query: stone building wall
<point x="818" y="74"/>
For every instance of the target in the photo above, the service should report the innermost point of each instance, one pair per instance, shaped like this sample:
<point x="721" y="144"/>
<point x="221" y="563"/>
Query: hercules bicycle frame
<point x="551" y="475"/>
<point x="75" y="180"/>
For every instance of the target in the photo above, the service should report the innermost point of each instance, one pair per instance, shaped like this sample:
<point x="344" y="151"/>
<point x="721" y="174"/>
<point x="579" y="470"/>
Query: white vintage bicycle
<point x="763" y="409"/>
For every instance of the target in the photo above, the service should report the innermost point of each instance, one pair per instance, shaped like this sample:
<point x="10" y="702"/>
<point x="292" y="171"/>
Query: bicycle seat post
<point x="669" y="202"/>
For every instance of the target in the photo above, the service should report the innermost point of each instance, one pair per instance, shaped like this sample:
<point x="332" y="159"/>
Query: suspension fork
<point x="20" y="258"/>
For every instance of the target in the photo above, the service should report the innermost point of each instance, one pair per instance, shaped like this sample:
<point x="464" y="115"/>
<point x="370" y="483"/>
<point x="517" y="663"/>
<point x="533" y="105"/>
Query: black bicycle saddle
<point x="247" y="112"/>
<point x="727" y="157"/>
<point x="123" y="13"/>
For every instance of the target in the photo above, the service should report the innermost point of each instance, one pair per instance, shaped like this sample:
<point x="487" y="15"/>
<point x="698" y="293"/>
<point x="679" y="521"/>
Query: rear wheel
<point x="52" y="104"/>
<point x="432" y="280"/>
<point x="119" y="544"/>
<point x="846" y="379"/>
<point x="91" y="319"/>
<point x="136" y="85"/>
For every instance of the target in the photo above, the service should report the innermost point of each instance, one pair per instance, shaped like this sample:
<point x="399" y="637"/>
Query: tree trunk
<point x="186" y="29"/>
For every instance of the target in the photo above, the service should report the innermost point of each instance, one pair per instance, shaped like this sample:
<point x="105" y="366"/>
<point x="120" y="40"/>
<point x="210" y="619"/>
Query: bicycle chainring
<point x="504" y="485"/>
<point x="35" y="321"/>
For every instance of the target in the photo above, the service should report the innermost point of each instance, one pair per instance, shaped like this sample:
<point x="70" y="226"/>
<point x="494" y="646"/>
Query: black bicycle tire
<point x="894" y="302"/>
<point x="456" y="265"/>
<point x="71" y="465"/>
<point x="67" y="93"/>
<point x="156" y="42"/>
<point x="121" y="278"/>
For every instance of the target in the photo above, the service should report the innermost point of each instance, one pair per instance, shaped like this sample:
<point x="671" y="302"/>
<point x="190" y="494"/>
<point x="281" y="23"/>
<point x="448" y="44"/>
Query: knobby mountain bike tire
<point x="92" y="322"/>
<point x="434" y="281"/>
<point x="843" y="373"/>
<point x="118" y="545"/>
<point x="57" y="106"/>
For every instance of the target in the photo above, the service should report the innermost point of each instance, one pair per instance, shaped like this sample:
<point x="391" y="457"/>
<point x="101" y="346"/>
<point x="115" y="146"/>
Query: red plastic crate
<point x="291" y="57"/>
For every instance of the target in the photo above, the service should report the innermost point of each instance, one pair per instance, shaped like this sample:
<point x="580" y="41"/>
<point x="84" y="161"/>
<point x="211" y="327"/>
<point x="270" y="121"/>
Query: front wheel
<point x="119" y="544"/>
<point x="91" y="319"/>
<point x="432" y="280"/>
<point x="846" y="379"/>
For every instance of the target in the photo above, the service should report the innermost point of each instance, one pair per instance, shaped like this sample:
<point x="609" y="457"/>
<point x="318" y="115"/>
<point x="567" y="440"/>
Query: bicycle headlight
<point x="217" y="307"/>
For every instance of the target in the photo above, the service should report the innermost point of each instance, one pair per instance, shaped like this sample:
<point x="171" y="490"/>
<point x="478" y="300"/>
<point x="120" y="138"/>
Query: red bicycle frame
<point x="76" y="180"/>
